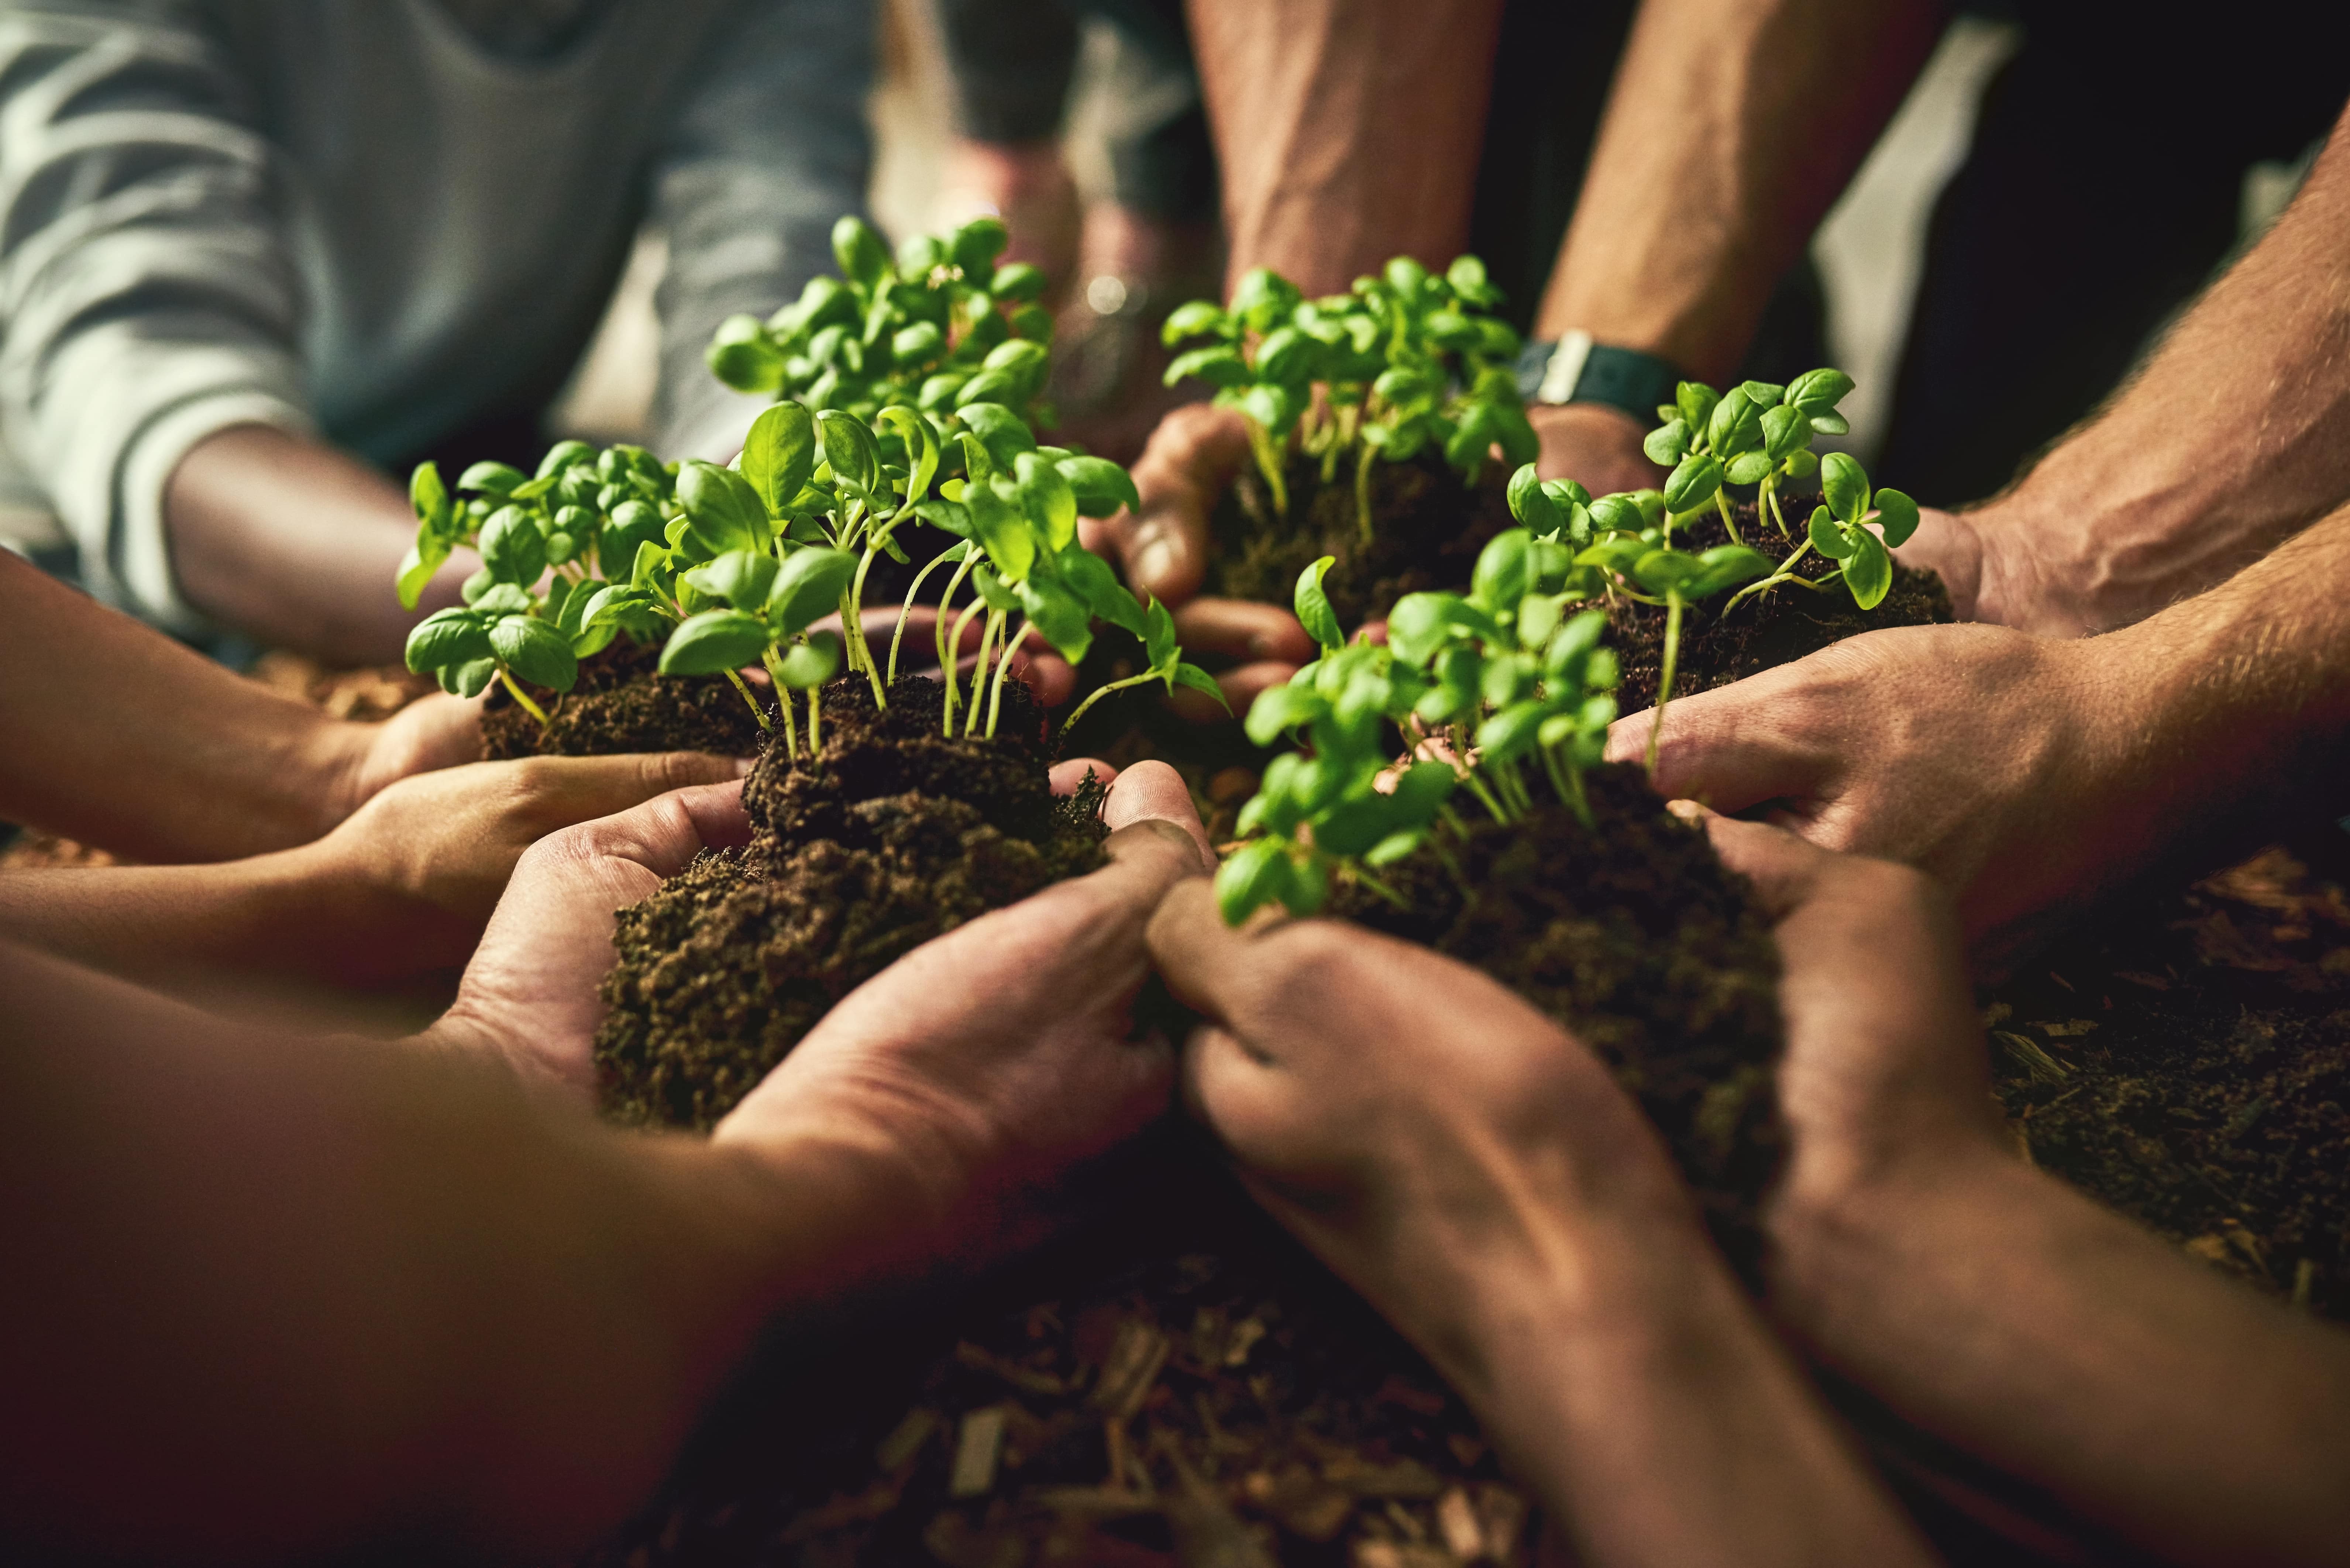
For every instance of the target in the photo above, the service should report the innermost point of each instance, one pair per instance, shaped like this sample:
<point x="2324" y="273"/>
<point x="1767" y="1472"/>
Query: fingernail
<point x="1689" y="810"/>
<point x="1156" y="562"/>
<point x="743" y="766"/>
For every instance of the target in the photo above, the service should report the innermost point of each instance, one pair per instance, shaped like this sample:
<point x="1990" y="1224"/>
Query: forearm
<point x="296" y="545"/>
<point x="2006" y="1312"/>
<point x="2229" y="441"/>
<point x="1731" y="130"/>
<point x="1636" y="1387"/>
<point x="1346" y="133"/>
<point x="284" y="1296"/>
<point x="124" y="739"/>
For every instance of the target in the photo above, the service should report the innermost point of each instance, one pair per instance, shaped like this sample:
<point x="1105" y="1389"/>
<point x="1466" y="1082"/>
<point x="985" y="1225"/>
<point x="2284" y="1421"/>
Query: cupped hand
<point x="1885" y="1061"/>
<point x="432" y="732"/>
<point x="1414" y="1122"/>
<point x="1597" y="446"/>
<point x="1999" y="762"/>
<point x="410" y="878"/>
<point x="978" y="1072"/>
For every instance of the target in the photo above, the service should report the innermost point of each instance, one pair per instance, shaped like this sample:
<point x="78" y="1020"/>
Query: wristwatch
<point x="1575" y="369"/>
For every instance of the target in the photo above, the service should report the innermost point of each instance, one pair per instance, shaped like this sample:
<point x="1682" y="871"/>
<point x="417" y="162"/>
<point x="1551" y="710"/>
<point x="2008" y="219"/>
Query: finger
<point x="1051" y="678"/>
<point x="663" y="834"/>
<point x="1239" y="628"/>
<point x="1723" y="747"/>
<point x="1782" y="867"/>
<point x="1065" y="775"/>
<point x="1235" y="1091"/>
<point x="1153" y="791"/>
<point x="1200" y="957"/>
<point x="565" y="790"/>
<point x="1187" y="465"/>
<point x="1241" y="686"/>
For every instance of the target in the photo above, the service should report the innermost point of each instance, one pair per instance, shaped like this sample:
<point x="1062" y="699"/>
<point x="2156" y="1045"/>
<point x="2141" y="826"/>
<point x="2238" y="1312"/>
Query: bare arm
<point x="1731" y="129"/>
<point x="2230" y="440"/>
<point x="122" y="738"/>
<point x="1346" y="133"/>
<point x="296" y="544"/>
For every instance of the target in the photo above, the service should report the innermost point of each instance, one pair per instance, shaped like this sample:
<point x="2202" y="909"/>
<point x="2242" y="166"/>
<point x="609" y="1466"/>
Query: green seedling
<point x="1501" y="690"/>
<point x="940" y="327"/>
<point x="1408" y="361"/>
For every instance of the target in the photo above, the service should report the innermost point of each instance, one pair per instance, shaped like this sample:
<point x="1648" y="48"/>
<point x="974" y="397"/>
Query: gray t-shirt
<point x="384" y="221"/>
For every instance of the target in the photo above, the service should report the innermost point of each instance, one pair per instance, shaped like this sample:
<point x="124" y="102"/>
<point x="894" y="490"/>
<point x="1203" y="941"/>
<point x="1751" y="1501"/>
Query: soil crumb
<point x="1428" y="528"/>
<point x="623" y="704"/>
<point x="895" y="835"/>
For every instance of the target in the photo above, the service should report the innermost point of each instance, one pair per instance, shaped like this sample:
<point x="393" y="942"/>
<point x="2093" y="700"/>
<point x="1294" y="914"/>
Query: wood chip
<point x="1401" y="1554"/>
<point x="1244" y="1335"/>
<point x="1457" y="1522"/>
<point x="1503" y="1511"/>
<point x="1026" y="1379"/>
<point x="1404" y="1477"/>
<point x="907" y="1438"/>
<point x="976" y="1452"/>
<point x="1130" y="1369"/>
<point x="2066" y="1030"/>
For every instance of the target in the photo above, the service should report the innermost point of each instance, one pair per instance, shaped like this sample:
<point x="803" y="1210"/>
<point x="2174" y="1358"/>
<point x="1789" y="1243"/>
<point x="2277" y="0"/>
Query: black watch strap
<point x="1575" y="369"/>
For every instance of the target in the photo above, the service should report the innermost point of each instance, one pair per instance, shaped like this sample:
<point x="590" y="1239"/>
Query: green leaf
<point x="1004" y="433"/>
<point x="1617" y="514"/>
<point x="1099" y="586"/>
<point x="1313" y="605"/>
<point x="1827" y="537"/>
<point x="1019" y="281"/>
<point x="428" y="499"/>
<point x="1219" y="366"/>
<point x="864" y="260"/>
<point x="1818" y="392"/>
<point x="1198" y="679"/>
<point x="1191" y="319"/>
<point x="1001" y="530"/>
<point x="1048" y="498"/>
<point x="1058" y="614"/>
<point x="535" y="651"/>
<point x="1726" y="566"/>
<point x="1511" y="732"/>
<point x="1667" y="571"/>
<point x="488" y="478"/>
<point x="921" y="440"/>
<point x="714" y="642"/>
<point x="1897" y="516"/>
<point x="741" y="578"/>
<point x="1830" y="424"/>
<point x="1530" y="503"/>
<point x="1421" y="624"/>
<point x="1258" y="873"/>
<point x="917" y="345"/>
<point x="1763" y="394"/>
<point x="807" y="587"/>
<point x="1503" y="573"/>
<point x="993" y="590"/>
<point x="512" y="548"/>
<point x="949" y="516"/>
<point x="1748" y="468"/>
<point x="1694" y="401"/>
<point x="417" y="568"/>
<point x="809" y="664"/>
<point x="1736" y="424"/>
<point x="1784" y="429"/>
<point x="1158" y="642"/>
<point x="779" y="454"/>
<point x="1870" y="573"/>
<point x="1538" y="616"/>
<point x="1573" y="642"/>
<point x="1693" y="483"/>
<point x="723" y="512"/>
<point x="1846" y="484"/>
<point x="469" y="680"/>
<point x="850" y="451"/>
<point x="976" y="245"/>
<point x="1280" y="709"/>
<point x="1101" y="486"/>
<point x="447" y="638"/>
<point x="1667" y="444"/>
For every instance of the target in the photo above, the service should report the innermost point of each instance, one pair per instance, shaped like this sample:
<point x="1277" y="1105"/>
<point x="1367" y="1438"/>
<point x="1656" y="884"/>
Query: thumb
<point x="1153" y="791"/>
<point x="567" y="790"/>
<point x="1188" y="463"/>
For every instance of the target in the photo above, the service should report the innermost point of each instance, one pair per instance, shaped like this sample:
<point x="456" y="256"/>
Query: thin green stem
<point x="533" y="708"/>
<point x="1004" y="668"/>
<point x="1721" y="505"/>
<point x="816" y="722"/>
<point x="1069" y="725"/>
<point x="904" y="614"/>
<point x="988" y="631"/>
<point x="1665" y="676"/>
<point x="1362" y="873"/>
<point x="853" y="622"/>
<point x="1363" y="490"/>
<point x="756" y="711"/>
<point x="1269" y="464"/>
<point x="1771" y="497"/>
<point x="775" y="663"/>
<point x="947" y="668"/>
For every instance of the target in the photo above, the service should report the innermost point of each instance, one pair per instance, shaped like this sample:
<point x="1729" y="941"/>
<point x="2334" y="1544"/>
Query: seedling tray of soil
<point x="622" y="703"/>
<point x="1761" y="633"/>
<point x="1427" y="528"/>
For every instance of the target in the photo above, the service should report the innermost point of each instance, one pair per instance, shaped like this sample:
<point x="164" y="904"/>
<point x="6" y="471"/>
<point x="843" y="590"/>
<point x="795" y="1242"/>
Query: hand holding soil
<point x="1597" y="446"/>
<point x="979" y="1072"/>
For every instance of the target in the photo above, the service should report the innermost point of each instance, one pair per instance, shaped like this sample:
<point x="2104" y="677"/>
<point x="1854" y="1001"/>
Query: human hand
<point x="1597" y="446"/>
<point x="409" y="880"/>
<point x="2000" y="762"/>
<point x="1163" y="549"/>
<point x="976" y="1073"/>
<point x="1419" y="1125"/>
<point x="434" y="731"/>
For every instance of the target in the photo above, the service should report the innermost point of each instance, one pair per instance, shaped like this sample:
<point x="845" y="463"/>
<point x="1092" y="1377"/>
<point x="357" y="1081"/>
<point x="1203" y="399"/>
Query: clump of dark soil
<point x="894" y="835"/>
<point x="623" y="704"/>
<point x="1769" y="629"/>
<point x="1639" y="941"/>
<point x="2187" y="1060"/>
<point x="1427" y="529"/>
